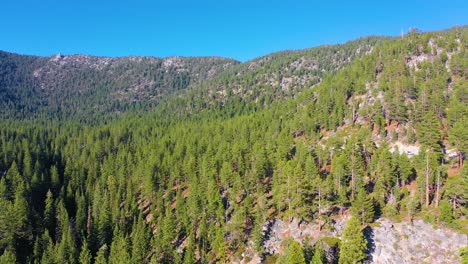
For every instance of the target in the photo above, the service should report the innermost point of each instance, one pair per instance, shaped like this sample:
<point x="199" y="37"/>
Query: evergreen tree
<point x="456" y="191"/>
<point x="104" y="221"/>
<point x="318" y="257"/>
<point x="49" y="255"/>
<point x="446" y="215"/>
<point x="119" y="250"/>
<point x="363" y="207"/>
<point x="429" y="132"/>
<point x="140" y="241"/>
<point x="54" y="179"/>
<point x="405" y="170"/>
<point x="101" y="257"/>
<point x="353" y="244"/>
<point x="8" y="257"/>
<point x="464" y="255"/>
<point x="189" y="256"/>
<point x="65" y="248"/>
<point x="458" y="136"/>
<point x="294" y="253"/>
<point x="49" y="213"/>
<point x="85" y="255"/>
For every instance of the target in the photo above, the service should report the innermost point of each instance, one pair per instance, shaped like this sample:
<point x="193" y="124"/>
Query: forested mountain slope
<point x="258" y="83"/>
<point x="85" y="86"/>
<point x="384" y="137"/>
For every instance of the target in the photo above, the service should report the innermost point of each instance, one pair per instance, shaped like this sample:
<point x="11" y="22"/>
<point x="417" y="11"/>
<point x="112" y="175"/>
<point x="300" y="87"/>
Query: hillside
<point x="355" y="149"/>
<point x="85" y="86"/>
<point x="272" y="78"/>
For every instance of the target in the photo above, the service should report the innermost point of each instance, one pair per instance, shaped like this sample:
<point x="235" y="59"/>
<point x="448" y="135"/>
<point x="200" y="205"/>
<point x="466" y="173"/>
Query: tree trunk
<point x="88" y="221"/>
<point x="319" y="205"/>
<point x="353" y="176"/>
<point x="460" y="159"/>
<point x="289" y="202"/>
<point x="438" y="190"/>
<point x="427" y="180"/>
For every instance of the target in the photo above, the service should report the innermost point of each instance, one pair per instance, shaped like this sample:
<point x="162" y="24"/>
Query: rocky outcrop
<point x="407" y="149"/>
<point x="296" y="230"/>
<point x="389" y="241"/>
<point x="416" y="242"/>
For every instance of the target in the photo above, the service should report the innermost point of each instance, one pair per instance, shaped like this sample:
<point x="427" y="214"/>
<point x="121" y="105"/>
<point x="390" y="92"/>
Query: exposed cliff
<point x="388" y="241"/>
<point x="415" y="242"/>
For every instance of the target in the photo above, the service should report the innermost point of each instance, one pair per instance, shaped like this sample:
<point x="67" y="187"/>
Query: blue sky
<point x="240" y="29"/>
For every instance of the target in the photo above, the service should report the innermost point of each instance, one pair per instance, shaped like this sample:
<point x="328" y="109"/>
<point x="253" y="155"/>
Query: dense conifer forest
<point x="92" y="171"/>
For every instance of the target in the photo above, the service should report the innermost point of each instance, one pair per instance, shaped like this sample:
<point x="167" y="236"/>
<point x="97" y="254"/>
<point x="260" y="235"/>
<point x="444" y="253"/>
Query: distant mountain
<point x="85" y="85"/>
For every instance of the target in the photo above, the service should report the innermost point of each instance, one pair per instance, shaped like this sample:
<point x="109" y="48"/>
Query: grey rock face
<point x="390" y="242"/>
<point x="416" y="242"/>
<point x="296" y="230"/>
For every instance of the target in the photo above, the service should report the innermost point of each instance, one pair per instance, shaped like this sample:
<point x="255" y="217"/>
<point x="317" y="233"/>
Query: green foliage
<point x="458" y="136"/>
<point x="119" y="251"/>
<point x="102" y="254"/>
<point x="7" y="257"/>
<point x="319" y="254"/>
<point x="353" y="244"/>
<point x="464" y="255"/>
<point x="140" y="239"/>
<point x="85" y="255"/>
<point x="446" y="214"/>
<point x="294" y="253"/>
<point x="429" y="132"/>
<point x="456" y="191"/>
<point x="363" y="208"/>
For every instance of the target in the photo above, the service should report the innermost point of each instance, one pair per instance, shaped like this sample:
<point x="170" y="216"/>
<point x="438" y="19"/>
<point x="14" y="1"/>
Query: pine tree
<point x="446" y="214"/>
<point x="429" y="132"/>
<point x="458" y="136"/>
<point x="257" y="232"/>
<point x="294" y="253"/>
<point x="85" y="254"/>
<point x="65" y="248"/>
<point x="101" y="257"/>
<point x="363" y="207"/>
<point x="412" y="204"/>
<point x="405" y="170"/>
<point x="318" y="257"/>
<point x="8" y="257"/>
<point x="140" y="241"/>
<point x="353" y="243"/>
<point x="464" y="255"/>
<point x="167" y="235"/>
<point x="189" y="256"/>
<point x="49" y="213"/>
<point x="104" y="221"/>
<point x="27" y="161"/>
<point x="80" y="218"/>
<point x="119" y="250"/>
<point x="54" y="179"/>
<point x="49" y="255"/>
<point x="456" y="191"/>
<point x="339" y="173"/>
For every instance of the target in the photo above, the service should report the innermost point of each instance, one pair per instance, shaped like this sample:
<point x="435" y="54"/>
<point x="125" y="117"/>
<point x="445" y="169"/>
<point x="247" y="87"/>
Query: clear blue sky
<point x="240" y="29"/>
